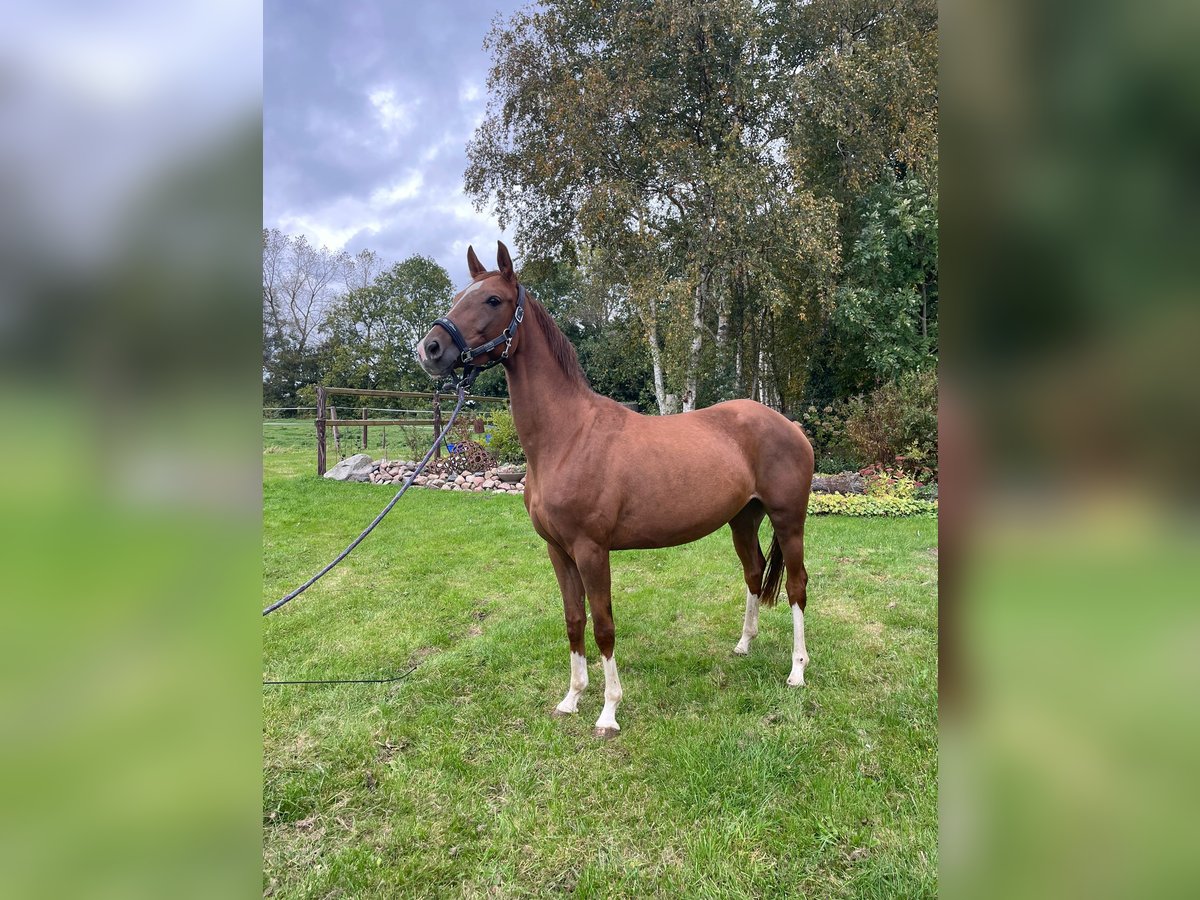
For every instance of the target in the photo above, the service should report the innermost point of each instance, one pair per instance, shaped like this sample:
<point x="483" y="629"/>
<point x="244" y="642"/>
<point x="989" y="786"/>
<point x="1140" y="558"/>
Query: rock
<point x="489" y="483"/>
<point x="447" y="487"/>
<point x="420" y="479"/>
<point x="352" y="468"/>
<point x="844" y="483"/>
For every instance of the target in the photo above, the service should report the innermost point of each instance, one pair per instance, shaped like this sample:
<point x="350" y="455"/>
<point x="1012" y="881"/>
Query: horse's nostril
<point x="432" y="348"/>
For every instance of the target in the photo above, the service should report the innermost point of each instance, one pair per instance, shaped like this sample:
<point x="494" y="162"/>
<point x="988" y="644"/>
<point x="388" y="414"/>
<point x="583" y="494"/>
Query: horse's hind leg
<point x="787" y="552"/>
<point x="745" y="541"/>
<point x="571" y="586"/>
<point x="791" y="542"/>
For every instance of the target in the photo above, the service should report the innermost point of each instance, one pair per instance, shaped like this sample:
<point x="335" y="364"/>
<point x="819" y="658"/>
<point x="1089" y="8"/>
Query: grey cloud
<point x="360" y="102"/>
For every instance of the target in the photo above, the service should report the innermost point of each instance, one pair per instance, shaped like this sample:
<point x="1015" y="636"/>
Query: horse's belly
<point x="678" y="521"/>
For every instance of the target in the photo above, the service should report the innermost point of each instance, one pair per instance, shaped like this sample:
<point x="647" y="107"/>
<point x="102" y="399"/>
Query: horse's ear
<point x="474" y="266"/>
<point x="504" y="261"/>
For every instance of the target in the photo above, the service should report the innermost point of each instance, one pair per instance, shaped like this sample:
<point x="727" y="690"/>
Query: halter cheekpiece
<point x="467" y="353"/>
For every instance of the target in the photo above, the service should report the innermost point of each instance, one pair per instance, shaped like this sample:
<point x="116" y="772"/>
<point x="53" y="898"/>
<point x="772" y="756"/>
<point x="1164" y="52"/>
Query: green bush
<point x="505" y="444"/>
<point x="868" y="505"/>
<point x="883" y="481"/>
<point x="415" y="440"/>
<point x="825" y="426"/>
<point x="896" y="424"/>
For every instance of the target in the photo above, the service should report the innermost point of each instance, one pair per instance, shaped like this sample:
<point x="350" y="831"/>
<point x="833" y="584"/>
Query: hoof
<point x="739" y="650"/>
<point x="606" y="733"/>
<point x="559" y="713"/>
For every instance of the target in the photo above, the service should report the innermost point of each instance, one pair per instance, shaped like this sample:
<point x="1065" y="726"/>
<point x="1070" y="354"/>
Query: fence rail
<point x="349" y="423"/>
<point x="410" y="395"/>
<point x="331" y="420"/>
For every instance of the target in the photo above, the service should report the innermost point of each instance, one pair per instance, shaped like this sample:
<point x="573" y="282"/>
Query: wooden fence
<point x="332" y="421"/>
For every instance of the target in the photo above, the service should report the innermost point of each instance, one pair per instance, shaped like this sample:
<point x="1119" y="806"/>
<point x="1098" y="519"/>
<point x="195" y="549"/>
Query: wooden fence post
<point x="337" y="432"/>
<point x="364" y="417"/>
<point x="437" y="427"/>
<point x="320" y="431"/>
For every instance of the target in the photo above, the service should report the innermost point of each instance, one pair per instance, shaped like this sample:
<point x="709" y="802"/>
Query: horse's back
<point x="671" y="479"/>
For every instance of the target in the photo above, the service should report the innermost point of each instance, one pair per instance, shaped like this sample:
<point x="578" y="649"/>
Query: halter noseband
<point x="467" y="353"/>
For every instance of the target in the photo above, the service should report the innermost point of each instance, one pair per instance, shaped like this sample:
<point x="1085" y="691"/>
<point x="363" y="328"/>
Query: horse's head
<point x="485" y="316"/>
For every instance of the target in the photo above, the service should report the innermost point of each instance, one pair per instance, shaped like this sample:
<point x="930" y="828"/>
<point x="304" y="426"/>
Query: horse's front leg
<point x="592" y="562"/>
<point x="571" y="586"/>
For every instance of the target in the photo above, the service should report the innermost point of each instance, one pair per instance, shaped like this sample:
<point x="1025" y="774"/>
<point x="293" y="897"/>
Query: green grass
<point x="457" y="781"/>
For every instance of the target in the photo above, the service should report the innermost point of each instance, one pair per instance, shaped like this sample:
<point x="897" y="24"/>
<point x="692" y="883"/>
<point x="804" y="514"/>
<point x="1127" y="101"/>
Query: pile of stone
<point x="437" y="475"/>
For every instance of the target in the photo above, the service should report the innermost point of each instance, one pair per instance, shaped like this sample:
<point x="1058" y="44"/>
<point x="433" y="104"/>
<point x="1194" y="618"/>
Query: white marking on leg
<point x="750" y="626"/>
<point x="612" y="696"/>
<point x="799" y="651"/>
<point x="579" y="682"/>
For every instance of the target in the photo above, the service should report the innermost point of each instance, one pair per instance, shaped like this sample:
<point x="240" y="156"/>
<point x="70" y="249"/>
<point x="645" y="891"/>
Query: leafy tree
<point x="299" y="283"/>
<point x="597" y="319"/>
<point x="865" y="102"/>
<point x="650" y="133"/>
<point x="372" y="330"/>
<point x="885" y="322"/>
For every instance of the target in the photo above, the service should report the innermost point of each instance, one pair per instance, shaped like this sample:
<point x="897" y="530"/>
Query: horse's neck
<point x="547" y="405"/>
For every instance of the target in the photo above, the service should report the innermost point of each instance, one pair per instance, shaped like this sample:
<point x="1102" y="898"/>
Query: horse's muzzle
<point x="436" y="353"/>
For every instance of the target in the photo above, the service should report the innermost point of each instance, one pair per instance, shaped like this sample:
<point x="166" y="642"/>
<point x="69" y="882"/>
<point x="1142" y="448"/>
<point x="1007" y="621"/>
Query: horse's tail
<point x="773" y="576"/>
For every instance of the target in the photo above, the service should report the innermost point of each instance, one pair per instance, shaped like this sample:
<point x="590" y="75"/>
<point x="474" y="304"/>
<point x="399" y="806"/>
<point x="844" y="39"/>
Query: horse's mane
<point x="561" y="347"/>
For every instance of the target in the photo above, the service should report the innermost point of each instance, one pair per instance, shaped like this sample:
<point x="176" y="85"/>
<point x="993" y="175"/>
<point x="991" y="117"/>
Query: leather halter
<point x="467" y="353"/>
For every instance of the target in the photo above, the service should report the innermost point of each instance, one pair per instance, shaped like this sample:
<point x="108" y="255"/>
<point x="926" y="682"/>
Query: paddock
<point x="724" y="782"/>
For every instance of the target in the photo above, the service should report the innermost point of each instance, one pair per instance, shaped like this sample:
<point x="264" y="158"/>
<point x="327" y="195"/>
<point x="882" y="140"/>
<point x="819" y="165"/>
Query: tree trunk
<point x="726" y="390"/>
<point x="737" y="366"/>
<point x="924" y="310"/>
<point x="660" y="389"/>
<point x="649" y="317"/>
<point x="692" y="375"/>
<point x="723" y="325"/>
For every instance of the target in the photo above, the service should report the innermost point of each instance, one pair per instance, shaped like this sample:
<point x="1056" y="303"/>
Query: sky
<point x="367" y="109"/>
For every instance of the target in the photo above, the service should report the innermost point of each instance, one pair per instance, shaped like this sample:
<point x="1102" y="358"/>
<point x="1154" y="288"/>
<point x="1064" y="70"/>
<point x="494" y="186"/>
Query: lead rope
<point x="463" y="385"/>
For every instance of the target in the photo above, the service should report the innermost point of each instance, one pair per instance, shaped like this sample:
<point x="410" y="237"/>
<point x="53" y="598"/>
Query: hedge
<point x="865" y="505"/>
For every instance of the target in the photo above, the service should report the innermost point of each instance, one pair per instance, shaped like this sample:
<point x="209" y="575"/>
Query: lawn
<point x="456" y="781"/>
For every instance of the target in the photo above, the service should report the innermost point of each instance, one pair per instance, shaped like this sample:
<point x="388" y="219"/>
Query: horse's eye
<point x="493" y="301"/>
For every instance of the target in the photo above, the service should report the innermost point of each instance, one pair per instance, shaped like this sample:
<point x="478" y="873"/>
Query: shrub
<point x="896" y="424"/>
<point x="868" y="505"/>
<point x="417" y="440"/>
<point x="825" y="426"/>
<point x="505" y="443"/>
<point x="882" y="481"/>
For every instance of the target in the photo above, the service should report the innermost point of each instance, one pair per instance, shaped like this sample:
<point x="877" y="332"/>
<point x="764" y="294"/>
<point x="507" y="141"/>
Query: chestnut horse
<point x="601" y="477"/>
